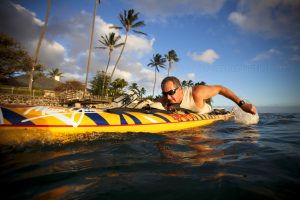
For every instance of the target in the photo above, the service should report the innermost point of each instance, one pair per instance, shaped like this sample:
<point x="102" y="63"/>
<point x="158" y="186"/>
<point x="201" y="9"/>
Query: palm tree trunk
<point x="104" y="79"/>
<point x="117" y="62"/>
<point x="169" y="68"/>
<point x="90" y="50"/>
<point x="37" y="51"/>
<point x="154" y="84"/>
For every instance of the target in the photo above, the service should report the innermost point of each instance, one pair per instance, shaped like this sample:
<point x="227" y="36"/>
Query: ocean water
<point x="225" y="160"/>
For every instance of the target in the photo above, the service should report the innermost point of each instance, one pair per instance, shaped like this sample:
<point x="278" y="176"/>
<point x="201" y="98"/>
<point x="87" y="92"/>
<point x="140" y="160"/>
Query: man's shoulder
<point x="199" y="91"/>
<point x="199" y="87"/>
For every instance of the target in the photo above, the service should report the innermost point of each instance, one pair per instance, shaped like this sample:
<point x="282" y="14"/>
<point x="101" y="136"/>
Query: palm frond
<point x="138" y="24"/>
<point x="122" y="19"/>
<point x="104" y="43"/>
<point x="118" y="45"/>
<point x="116" y="27"/>
<point x="139" y="32"/>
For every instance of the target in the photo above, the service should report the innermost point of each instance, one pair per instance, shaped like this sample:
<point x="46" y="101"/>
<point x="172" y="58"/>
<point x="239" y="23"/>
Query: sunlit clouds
<point x="208" y="56"/>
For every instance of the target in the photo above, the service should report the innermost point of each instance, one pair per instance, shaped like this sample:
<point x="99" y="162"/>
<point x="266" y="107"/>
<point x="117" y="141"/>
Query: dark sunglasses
<point x="171" y="92"/>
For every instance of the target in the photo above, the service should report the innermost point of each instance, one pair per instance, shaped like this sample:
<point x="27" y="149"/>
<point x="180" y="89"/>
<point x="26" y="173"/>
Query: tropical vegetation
<point x="116" y="88"/>
<point x="157" y="62"/>
<point x="97" y="2"/>
<point x="13" y="58"/>
<point x="70" y="85"/>
<point x="15" y="61"/>
<point x="37" y="51"/>
<point x="109" y="42"/>
<point x="129" y="22"/>
<point x="98" y="84"/>
<point x="135" y="88"/>
<point x="171" y="57"/>
<point x="54" y="72"/>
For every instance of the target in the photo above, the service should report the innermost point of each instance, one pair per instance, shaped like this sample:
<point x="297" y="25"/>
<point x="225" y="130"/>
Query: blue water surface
<point x="225" y="160"/>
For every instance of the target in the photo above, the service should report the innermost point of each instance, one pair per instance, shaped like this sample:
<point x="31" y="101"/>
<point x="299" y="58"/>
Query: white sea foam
<point x="241" y="116"/>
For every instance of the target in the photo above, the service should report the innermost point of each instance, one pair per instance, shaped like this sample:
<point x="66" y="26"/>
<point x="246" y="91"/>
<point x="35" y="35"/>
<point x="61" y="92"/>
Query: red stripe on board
<point x="57" y="126"/>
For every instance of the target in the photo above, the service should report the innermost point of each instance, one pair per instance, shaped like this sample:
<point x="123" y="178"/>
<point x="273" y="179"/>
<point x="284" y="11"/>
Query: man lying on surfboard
<point x="193" y="98"/>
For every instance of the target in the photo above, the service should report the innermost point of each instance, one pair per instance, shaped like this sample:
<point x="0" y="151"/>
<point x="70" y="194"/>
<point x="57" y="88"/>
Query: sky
<point x="251" y="47"/>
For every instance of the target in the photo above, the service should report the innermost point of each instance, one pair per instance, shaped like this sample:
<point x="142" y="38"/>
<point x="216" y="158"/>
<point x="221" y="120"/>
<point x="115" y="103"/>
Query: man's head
<point x="171" y="89"/>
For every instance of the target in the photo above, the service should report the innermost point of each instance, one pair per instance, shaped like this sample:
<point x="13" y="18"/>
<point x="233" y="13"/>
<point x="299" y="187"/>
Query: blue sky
<point x="251" y="47"/>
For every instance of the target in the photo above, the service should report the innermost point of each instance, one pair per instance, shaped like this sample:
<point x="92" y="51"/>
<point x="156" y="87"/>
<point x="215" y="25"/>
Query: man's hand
<point x="249" y="108"/>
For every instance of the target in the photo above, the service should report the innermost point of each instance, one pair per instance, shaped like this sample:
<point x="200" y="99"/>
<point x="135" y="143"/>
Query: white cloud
<point x="278" y="18"/>
<point x="208" y="56"/>
<point x="237" y="18"/>
<point x="266" y="55"/>
<point x="138" y="45"/>
<point x="73" y="76"/>
<point x="51" y="53"/>
<point x="19" y="23"/>
<point x="66" y="42"/>
<point x="145" y="78"/>
<point x="21" y="9"/>
<point x="122" y="74"/>
<point x="191" y="76"/>
<point x="157" y="10"/>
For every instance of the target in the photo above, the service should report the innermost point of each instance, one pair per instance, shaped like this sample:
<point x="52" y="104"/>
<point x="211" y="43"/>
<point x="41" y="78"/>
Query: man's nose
<point x="169" y="97"/>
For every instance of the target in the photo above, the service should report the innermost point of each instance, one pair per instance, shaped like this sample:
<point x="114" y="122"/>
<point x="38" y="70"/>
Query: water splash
<point x="242" y="117"/>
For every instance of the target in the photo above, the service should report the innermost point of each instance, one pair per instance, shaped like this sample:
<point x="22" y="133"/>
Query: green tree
<point x="142" y="92"/>
<point x="157" y="62"/>
<point x="188" y="83"/>
<point x="97" y="2"/>
<point x="133" y="86"/>
<point x="116" y="87"/>
<point x="37" y="51"/>
<point x="71" y="85"/>
<point x="128" y="21"/>
<point x="109" y="42"/>
<point x="200" y="83"/>
<point x="13" y="58"/>
<point x="54" y="72"/>
<point x="171" y="57"/>
<point x="98" y="82"/>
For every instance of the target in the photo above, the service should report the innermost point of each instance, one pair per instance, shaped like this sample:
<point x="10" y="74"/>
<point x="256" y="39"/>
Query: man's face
<point x="172" y="92"/>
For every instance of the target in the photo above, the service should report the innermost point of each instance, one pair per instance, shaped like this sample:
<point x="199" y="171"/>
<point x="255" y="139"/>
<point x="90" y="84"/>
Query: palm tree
<point x="109" y="42"/>
<point x="54" y="73"/>
<point x="171" y="57"/>
<point x="116" y="87"/>
<point x="142" y="92"/>
<point x="200" y="83"/>
<point x="37" y="50"/>
<point x="128" y="21"/>
<point x="91" y="44"/>
<point x="190" y="83"/>
<point x="157" y="61"/>
<point x="133" y="86"/>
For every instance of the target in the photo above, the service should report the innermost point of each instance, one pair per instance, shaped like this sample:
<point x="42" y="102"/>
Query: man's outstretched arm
<point x="202" y="92"/>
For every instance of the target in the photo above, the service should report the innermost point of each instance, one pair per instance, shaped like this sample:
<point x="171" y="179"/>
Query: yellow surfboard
<point x="25" y="123"/>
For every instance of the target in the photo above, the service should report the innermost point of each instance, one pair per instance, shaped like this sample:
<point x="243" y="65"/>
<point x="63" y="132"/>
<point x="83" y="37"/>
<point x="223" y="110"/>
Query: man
<point x="193" y="98"/>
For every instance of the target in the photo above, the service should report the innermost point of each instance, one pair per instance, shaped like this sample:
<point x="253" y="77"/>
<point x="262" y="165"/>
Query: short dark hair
<point x="173" y="79"/>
